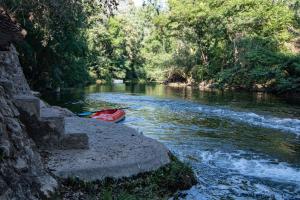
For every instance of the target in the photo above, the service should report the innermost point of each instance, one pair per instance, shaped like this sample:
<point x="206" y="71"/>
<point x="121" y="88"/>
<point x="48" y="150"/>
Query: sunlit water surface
<point x="240" y="145"/>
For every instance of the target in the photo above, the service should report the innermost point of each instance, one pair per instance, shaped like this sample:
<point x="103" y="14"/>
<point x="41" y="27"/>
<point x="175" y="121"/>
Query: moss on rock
<point x="160" y="184"/>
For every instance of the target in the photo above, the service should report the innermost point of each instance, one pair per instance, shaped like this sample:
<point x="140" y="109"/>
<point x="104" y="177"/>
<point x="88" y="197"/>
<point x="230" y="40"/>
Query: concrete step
<point x="67" y="140"/>
<point x="47" y="131"/>
<point x="46" y="125"/>
<point x="51" y="115"/>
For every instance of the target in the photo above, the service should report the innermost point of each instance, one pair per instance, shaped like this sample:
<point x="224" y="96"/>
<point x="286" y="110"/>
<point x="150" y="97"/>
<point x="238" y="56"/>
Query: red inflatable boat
<point x="109" y="115"/>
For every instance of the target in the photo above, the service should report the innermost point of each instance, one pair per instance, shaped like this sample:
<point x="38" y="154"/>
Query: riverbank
<point x="163" y="183"/>
<point x="211" y="86"/>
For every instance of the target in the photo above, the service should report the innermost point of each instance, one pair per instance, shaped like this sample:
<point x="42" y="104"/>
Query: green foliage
<point x="117" y="53"/>
<point x="55" y="51"/>
<point x="233" y="43"/>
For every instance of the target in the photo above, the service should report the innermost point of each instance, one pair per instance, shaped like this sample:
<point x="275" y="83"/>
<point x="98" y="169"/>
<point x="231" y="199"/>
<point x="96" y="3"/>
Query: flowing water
<point x="240" y="145"/>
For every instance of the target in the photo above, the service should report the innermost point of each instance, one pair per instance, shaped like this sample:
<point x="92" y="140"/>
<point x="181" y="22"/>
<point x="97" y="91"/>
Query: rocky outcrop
<point x="22" y="173"/>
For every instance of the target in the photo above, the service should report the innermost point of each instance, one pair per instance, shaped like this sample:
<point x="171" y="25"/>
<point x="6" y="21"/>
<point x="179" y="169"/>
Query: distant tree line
<point x="229" y="43"/>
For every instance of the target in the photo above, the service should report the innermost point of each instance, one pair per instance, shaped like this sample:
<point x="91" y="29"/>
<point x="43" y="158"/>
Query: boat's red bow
<point x="109" y="115"/>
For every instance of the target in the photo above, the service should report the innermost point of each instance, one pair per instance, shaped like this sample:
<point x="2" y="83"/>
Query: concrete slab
<point x="114" y="151"/>
<point x="74" y="141"/>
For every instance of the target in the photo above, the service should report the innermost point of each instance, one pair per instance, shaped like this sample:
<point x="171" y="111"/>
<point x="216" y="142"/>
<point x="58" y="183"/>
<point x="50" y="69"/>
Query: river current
<point x="240" y="145"/>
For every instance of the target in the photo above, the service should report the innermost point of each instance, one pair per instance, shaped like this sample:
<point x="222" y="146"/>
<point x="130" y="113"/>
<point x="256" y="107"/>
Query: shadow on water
<point x="241" y="145"/>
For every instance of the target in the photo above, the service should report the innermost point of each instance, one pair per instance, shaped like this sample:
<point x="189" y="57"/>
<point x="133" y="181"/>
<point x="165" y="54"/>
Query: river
<point x="241" y="145"/>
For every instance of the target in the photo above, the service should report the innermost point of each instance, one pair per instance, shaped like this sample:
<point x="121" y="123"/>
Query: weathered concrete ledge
<point x="114" y="151"/>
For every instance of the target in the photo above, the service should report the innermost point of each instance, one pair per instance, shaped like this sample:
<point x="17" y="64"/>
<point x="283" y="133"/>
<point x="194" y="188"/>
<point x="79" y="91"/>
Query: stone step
<point x="45" y="131"/>
<point x="51" y="115"/>
<point x="67" y="140"/>
<point x="46" y="125"/>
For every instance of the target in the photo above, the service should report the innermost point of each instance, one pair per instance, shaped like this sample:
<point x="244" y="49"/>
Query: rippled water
<point x="240" y="145"/>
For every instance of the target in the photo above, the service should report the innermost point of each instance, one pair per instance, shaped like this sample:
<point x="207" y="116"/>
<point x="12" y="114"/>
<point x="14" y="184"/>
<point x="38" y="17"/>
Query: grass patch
<point x="160" y="184"/>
